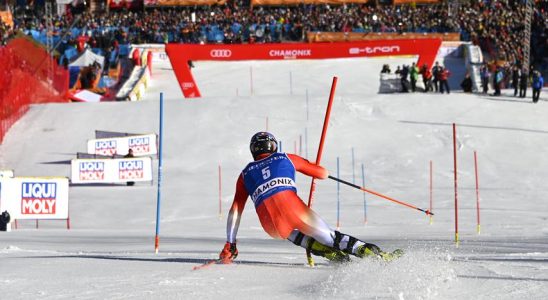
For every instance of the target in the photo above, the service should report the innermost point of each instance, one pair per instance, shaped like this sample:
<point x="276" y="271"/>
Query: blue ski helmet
<point x="262" y="142"/>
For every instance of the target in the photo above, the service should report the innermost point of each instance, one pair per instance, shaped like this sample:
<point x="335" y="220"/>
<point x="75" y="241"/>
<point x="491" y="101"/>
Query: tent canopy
<point x="87" y="58"/>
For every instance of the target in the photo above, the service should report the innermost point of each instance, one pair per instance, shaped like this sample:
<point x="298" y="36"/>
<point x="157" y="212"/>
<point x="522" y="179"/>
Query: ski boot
<point x="371" y="250"/>
<point x="329" y="253"/>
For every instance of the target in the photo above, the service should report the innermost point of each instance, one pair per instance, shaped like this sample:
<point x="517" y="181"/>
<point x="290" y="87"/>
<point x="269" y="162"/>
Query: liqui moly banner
<point x="141" y="145"/>
<point x="180" y="54"/>
<point x="111" y="170"/>
<point x="35" y="197"/>
<point x="6" y="173"/>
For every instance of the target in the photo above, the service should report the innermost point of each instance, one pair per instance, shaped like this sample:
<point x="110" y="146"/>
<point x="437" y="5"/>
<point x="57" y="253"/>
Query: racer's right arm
<point x="235" y="213"/>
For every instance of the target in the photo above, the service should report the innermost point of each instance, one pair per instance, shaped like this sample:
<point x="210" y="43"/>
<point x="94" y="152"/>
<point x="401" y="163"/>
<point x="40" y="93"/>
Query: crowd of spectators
<point x="6" y="33"/>
<point x="496" y="26"/>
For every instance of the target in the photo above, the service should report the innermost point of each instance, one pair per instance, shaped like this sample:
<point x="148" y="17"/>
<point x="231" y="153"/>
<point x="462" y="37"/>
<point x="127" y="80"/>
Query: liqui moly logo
<point x="38" y="198"/>
<point x="92" y="171"/>
<point x="375" y="50"/>
<point x="139" y="145"/>
<point x="105" y="148"/>
<point x="131" y="169"/>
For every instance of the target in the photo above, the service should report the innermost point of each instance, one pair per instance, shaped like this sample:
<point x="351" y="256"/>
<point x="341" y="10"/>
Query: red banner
<point x="180" y="54"/>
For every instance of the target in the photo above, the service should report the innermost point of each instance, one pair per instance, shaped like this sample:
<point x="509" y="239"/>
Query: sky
<point x="108" y="253"/>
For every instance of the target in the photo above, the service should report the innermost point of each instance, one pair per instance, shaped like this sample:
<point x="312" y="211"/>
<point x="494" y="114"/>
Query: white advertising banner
<point x="111" y="170"/>
<point x="6" y="173"/>
<point x="142" y="145"/>
<point x="35" y="197"/>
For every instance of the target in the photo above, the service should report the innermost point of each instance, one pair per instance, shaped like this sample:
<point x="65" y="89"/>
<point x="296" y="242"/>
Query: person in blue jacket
<point x="538" y="83"/>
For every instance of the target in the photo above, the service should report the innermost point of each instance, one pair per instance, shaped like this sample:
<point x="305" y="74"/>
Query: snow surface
<point x="109" y="251"/>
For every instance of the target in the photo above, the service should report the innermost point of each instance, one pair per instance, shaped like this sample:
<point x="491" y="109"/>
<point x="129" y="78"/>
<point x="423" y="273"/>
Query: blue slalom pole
<point x="338" y="197"/>
<point x="158" y="198"/>
<point x="364" y="202"/>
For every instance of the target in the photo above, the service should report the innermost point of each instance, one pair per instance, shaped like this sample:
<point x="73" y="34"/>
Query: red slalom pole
<point x="322" y="139"/>
<point x="455" y="174"/>
<point x="319" y="155"/>
<point x="477" y="191"/>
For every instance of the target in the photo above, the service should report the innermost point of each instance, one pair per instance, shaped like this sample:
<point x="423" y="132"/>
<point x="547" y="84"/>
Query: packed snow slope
<point x="109" y="251"/>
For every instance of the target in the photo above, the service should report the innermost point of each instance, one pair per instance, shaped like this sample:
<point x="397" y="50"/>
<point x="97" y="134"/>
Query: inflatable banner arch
<point x="181" y="54"/>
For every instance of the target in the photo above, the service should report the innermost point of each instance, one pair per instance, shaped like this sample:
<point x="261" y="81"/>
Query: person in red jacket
<point x="443" y="76"/>
<point x="270" y="182"/>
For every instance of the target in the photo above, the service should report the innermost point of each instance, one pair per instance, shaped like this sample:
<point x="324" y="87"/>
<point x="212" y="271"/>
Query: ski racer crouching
<point x="270" y="181"/>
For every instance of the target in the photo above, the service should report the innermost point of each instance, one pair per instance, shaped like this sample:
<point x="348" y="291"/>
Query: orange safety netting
<point x="28" y="75"/>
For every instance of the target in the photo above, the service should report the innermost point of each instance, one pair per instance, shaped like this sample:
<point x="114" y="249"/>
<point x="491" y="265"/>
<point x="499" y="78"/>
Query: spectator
<point x="385" y="69"/>
<point x="523" y="80"/>
<point x="129" y="155"/>
<point x="436" y="75"/>
<point x="426" y="78"/>
<point x="414" y="74"/>
<point x="403" y="79"/>
<point x="484" y="74"/>
<point x="516" y="73"/>
<point x="443" y="76"/>
<point x="538" y="83"/>
<point x="497" y="80"/>
<point x="466" y="84"/>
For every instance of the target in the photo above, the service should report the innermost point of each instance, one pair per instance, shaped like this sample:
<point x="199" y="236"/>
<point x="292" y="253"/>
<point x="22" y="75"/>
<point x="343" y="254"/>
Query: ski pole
<point x="427" y="212"/>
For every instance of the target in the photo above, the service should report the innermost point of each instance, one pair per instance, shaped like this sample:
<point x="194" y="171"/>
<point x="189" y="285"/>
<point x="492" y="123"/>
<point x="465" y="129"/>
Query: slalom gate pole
<point x="307" y="118"/>
<point x="290" y="83"/>
<point x="364" y="202"/>
<point x="220" y="195"/>
<point x="266" y="123"/>
<point x="300" y="145"/>
<point x="319" y="155"/>
<point x="338" y="198"/>
<point x="306" y="142"/>
<point x="353" y="169"/>
<point x="427" y="212"/>
<point x="455" y="176"/>
<point x="251" y="80"/>
<point x="158" y="197"/>
<point x="430" y="208"/>
<point x="477" y="191"/>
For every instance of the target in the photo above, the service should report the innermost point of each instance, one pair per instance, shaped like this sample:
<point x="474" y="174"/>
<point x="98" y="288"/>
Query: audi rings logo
<point x="220" y="53"/>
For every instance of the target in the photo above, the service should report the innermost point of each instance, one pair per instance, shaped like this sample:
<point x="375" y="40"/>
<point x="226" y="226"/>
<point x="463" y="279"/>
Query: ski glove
<point x="229" y="253"/>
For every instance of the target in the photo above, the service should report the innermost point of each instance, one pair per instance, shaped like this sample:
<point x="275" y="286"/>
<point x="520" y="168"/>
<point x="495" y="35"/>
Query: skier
<point x="270" y="181"/>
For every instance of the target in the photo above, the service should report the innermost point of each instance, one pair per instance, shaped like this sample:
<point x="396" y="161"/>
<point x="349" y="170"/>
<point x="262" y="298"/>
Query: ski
<point x="211" y="262"/>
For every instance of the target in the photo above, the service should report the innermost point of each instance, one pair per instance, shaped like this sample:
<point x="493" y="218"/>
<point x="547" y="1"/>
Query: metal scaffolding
<point x="527" y="35"/>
